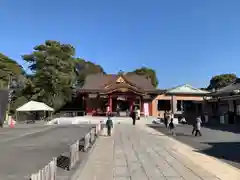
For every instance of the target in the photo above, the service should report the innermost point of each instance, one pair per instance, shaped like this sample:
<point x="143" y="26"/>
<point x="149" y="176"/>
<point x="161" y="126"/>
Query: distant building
<point x="121" y="93"/>
<point x="117" y="93"/>
<point x="183" y="100"/>
<point x="224" y="104"/>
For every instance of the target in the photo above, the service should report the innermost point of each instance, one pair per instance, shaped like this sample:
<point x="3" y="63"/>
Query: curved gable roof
<point x="186" y="89"/>
<point x="98" y="81"/>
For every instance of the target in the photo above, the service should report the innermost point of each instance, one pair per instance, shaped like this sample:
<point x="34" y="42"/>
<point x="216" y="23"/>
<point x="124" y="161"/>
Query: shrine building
<point x="121" y="93"/>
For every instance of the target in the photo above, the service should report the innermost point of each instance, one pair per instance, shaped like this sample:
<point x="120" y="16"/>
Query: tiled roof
<point x="186" y="89"/>
<point x="98" y="81"/>
<point x="228" y="90"/>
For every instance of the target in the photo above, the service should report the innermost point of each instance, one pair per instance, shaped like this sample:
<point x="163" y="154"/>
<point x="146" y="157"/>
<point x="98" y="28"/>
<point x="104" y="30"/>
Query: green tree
<point x="11" y="73"/>
<point x="222" y="80"/>
<point x="147" y="73"/>
<point x="53" y="67"/>
<point x="9" y="67"/>
<point x="85" y="68"/>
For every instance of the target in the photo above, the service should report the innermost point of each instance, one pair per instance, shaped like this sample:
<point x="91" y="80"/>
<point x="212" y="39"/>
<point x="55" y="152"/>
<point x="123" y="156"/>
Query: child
<point x="109" y="125"/>
<point x="172" y="127"/>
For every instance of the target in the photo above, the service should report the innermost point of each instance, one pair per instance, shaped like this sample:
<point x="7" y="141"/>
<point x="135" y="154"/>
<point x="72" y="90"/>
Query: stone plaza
<point x="141" y="153"/>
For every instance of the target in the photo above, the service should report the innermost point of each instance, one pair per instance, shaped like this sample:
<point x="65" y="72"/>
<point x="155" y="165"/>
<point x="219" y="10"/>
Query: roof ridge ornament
<point x="120" y="73"/>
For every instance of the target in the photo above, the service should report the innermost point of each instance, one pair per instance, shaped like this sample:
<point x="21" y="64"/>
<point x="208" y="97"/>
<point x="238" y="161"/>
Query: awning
<point x="34" y="106"/>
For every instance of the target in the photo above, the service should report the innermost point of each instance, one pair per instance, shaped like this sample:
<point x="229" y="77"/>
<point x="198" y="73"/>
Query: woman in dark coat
<point x="134" y="116"/>
<point x="109" y="125"/>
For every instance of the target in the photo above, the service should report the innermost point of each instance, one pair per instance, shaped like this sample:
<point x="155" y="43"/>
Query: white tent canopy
<point x="34" y="106"/>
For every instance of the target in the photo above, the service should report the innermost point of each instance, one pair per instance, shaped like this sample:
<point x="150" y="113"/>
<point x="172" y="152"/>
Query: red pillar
<point x="110" y="103"/>
<point x="131" y="104"/>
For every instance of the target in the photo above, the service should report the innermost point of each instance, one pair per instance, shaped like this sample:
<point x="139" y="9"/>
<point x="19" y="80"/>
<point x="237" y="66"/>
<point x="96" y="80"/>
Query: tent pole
<point x="44" y="115"/>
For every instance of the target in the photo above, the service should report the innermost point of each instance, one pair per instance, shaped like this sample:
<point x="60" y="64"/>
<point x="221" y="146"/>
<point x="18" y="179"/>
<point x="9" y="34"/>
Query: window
<point x="189" y="106"/>
<point x="164" y="105"/>
<point x="186" y="105"/>
<point x="179" y="105"/>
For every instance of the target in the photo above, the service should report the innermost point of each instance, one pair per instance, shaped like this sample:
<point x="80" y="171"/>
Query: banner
<point x="146" y="109"/>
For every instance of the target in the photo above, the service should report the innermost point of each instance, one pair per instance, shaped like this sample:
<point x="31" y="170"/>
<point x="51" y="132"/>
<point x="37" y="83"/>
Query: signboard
<point x="122" y="98"/>
<point x="103" y="96"/>
<point x="92" y="95"/>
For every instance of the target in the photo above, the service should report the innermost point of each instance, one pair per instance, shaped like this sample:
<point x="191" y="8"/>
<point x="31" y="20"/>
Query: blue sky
<point x="185" y="41"/>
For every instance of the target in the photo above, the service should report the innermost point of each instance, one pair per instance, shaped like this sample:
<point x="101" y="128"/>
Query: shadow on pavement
<point x="228" y="128"/>
<point x="165" y="131"/>
<point x="229" y="151"/>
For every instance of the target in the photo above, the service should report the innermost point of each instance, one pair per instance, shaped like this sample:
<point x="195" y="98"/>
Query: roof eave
<point x="187" y="93"/>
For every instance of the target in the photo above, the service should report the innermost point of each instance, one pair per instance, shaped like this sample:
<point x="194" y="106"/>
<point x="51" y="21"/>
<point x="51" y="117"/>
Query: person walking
<point x="169" y="117"/>
<point x="134" y="116"/>
<point x="172" y="127"/>
<point x="198" y="126"/>
<point x="109" y="125"/>
<point x="194" y="126"/>
<point x="165" y="119"/>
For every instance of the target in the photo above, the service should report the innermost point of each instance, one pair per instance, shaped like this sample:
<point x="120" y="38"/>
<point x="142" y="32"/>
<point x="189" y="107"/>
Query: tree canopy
<point x="11" y="71"/>
<point x="147" y="73"/>
<point x="222" y="80"/>
<point x="85" y="68"/>
<point x="9" y="67"/>
<point x="54" y="72"/>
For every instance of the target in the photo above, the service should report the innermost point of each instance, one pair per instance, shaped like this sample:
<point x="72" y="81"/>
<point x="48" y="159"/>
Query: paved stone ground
<point x="133" y="153"/>
<point x="223" y="145"/>
<point x="8" y="134"/>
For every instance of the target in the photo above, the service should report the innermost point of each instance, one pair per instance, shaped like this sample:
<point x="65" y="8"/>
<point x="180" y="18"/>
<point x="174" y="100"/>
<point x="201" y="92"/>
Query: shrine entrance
<point x="121" y="105"/>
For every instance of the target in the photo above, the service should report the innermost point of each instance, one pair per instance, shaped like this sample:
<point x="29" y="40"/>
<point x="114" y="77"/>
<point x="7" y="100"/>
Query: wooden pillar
<point x="150" y="109"/>
<point x="141" y="105"/>
<point x="173" y="104"/>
